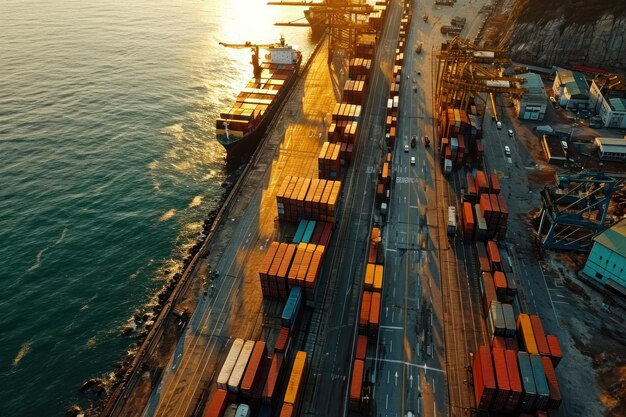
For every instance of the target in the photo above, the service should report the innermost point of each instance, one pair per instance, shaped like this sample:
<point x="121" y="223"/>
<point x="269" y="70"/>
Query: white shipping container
<point x="484" y="54"/>
<point x="451" y="220"/>
<point x="498" y="83"/>
<point x="243" y="411"/>
<point x="229" y="364"/>
<point x="240" y="367"/>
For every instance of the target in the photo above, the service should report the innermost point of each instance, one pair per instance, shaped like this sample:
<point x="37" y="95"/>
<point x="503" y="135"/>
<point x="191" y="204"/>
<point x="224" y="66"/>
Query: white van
<point x="499" y="125"/>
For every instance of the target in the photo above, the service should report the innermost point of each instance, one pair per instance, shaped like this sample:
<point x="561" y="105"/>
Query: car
<point x="507" y="151"/>
<point x="413" y="141"/>
<point x="406" y="148"/>
<point x="426" y="141"/>
<point x="499" y="125"/>
<point x="419" y="73"/>
<point x="510" y="133"/>
<point x="412" y="160"/>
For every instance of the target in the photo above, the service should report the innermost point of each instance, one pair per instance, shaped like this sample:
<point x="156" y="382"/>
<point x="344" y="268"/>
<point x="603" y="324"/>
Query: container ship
<point x="317" y="19"/>
<point x="240" y="128"/>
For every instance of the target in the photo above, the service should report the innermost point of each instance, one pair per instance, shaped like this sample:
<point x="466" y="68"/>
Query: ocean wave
<point x="197" y="200"/>
<point x="37" y="263"/>
<point x="167" y="215"/>
<point x="22" y="352"/>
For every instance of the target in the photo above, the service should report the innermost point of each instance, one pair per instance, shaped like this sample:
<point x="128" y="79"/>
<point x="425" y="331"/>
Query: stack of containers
<point x="468" y="221"/>
<point x="354" y="91"/>
<point x="304" y="198"/>
<point x="345" y="117"/>
<point x="365" y="46"/>
<point x="329" y="161"/>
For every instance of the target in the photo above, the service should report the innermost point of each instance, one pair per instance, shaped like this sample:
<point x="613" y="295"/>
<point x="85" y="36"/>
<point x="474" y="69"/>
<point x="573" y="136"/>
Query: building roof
<point x="574" y="81"/>
<point x="534" y="84"/>
<point x="614" y="238"/>
<point x="617" y="104"/>
<point x="615" y="145"/>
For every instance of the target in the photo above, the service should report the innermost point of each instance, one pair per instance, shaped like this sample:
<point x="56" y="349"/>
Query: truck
<point x="451" y="220"/>
<point x="447" y="166"/>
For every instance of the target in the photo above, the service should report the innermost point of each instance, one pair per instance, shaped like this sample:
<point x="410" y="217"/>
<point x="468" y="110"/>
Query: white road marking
<point x="424" y="366"/>
<point x="392" y="327"/>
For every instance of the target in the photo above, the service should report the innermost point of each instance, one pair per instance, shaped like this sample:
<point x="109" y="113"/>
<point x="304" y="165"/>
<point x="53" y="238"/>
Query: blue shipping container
<point x="528" y="382"/>
<point x="541" y="383"/>
<point x="297" y="238"/>
<point x="308" y="233"/>
<point x="292" y="307"/>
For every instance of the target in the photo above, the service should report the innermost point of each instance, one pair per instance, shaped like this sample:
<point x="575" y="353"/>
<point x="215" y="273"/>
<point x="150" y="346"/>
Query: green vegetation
<point x="574" y="11"/>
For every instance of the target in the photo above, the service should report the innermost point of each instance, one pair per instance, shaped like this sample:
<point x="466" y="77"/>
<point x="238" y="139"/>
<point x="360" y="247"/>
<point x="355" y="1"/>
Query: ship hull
<point x="317" y="22"/>
<point x="248" y="143"/>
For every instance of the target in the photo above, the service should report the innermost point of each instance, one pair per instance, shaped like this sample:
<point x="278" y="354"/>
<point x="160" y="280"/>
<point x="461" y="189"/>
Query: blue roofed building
<point x="570" y="89"/>
<point x="532" y="105"/>
<point x="607" y="261"/>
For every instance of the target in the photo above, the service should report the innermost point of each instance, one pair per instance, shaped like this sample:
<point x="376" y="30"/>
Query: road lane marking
<point x="424" y="367"/>
<point x="392" y="327"/>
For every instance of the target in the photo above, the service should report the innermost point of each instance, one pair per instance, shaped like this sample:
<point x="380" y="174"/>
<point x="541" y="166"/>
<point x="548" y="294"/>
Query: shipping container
<point x="361" y="347"/>
<point x="494" y="183"/>
<point x="468" y="221"/>
<point x="487" y="291"/>
<point x="378" y="278"/>
<point x="374" y="317"/>
<point x="555" y="349"/>
<point x="283" y="341"/>
<point x="290" y="314"/>
<point x="498" y="342"/>
<point x="499" y="282"/>
<point x="483" y="259"/>
<point x="296" y="379"/>
<point x="484" y="378"/>
<point x="297" y="238"/>
<point x="366" y="304"/>
<point x="229" y="364"/>
<point x="515" y="383"/>
<point x="265" y="266"/>
<point x="286" y="410"/>
<point x="369" y="275"/>
<point x="308" y="233"/>
<point x="495" y="320"/>
<point x="356" y="385"/>
<point x="502" y="380"/>
<point x="526" y="335"/>
<point x="555" y="391"/>
<point x="217" y="404"/>
<point x="482" y="186"/>
<point x="543" y="391"/>
<point x="243" y="410"/>
<point x="509" y="320"/>
<point x="253" y="370"/>
<point x="231" y="410"/>
<point x="527" y="402"/>
<point x="271" y="389"/>
<point x="493" y="254"/>
<point x="240" y="367"/>
<point x="540" y="336"/>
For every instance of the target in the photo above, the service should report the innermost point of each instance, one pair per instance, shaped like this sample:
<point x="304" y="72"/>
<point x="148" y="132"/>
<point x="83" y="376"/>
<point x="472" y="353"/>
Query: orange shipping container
<point x="378" y="278"/>
<point x="250" y="377"/>
<point x="369" y="275"/>
<point x="366" y="304"/>
<point x="296" y="379"/>
<point x="267" y="260"/>
<point x="525" y="332"/>
<point x="374" y="318"/>
<point x="286" y="410"/>
<point x="540" y="336"/>
<point x="357" y="381"/>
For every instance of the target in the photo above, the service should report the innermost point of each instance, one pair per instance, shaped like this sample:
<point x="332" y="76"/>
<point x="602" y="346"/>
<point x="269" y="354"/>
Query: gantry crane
<point x="575" y="210"/>
<point x="255" y="52"/>
<point x="339" y="16"/>
<point x="463" y="70"/>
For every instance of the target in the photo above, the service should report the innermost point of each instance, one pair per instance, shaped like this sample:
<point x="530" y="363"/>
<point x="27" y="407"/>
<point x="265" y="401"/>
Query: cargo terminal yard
<point x="367" y="261"/>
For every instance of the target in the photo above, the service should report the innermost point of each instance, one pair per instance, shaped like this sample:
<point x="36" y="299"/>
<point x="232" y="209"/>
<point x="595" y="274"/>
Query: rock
<point x="73" y="411"/>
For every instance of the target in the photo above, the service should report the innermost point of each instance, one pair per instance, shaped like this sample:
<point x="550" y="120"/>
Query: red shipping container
<point x="272" y="387"/>
<point x="555" y="349"/>
<point x="540" y="336"/>
<point x="483" y="260"/>
<point x="515" y="381"/>
<point x="468" y="221"/>
<point x="499" y="282"/>
<point x="488" y="291"/>
<point x="494" y="254"/>
<point x="282" y="339"/>
<point x="217" y="404"/>
<point x="511" y="344"/>
<point x="502" y="380"/>
<point x="498" y="342"/>
<point x="253" y="369"/>
<point x="484" y="378"/>
<point x="555" y="391"/>
<point x="494" y="183"/>
<point x="361" y="347"/>
<point x="482" y="186"/>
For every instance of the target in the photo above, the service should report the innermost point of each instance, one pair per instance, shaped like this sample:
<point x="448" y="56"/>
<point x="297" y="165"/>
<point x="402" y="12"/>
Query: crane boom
<point x="255" y="51"/>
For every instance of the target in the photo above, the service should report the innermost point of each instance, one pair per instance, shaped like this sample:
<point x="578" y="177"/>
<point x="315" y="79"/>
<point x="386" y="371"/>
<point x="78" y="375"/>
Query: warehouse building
<point x="532" y="105"/>
<point x="608" y="99"/>
<point x="607" y="261"/>
<point x="570" y="89"/>
<point x="611" y="149"/>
